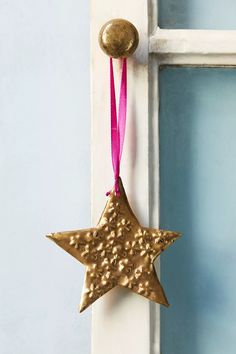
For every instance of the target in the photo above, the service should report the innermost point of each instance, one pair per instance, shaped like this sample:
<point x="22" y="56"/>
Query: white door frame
<point x="122" y="322"/>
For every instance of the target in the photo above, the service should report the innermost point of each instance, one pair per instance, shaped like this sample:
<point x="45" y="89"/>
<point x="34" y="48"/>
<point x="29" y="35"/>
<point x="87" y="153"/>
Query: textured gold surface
<point x="118" y="38"/>
<point x="118" y="251"/>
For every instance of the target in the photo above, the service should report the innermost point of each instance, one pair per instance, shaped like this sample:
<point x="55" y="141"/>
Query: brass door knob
<point x="118" y="38"/>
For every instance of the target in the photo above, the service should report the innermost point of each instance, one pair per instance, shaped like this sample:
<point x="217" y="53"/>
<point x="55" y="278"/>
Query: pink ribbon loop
<point x="118" y="126"/>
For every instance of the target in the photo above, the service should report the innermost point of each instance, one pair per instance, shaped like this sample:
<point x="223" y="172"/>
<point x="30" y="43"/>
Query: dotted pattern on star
<point x="119" y="251"/>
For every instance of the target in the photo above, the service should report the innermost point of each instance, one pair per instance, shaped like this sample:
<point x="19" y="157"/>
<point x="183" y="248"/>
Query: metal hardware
<point x="118" y="38"/>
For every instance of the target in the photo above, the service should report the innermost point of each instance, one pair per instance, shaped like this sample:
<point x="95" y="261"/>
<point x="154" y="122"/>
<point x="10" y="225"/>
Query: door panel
<point x="198" y="198"/>
<point x="201" y="14"/>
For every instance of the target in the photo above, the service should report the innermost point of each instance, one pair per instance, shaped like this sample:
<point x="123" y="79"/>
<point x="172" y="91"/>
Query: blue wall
<point x="198" y="198"/>
<point x="45" y="173"/>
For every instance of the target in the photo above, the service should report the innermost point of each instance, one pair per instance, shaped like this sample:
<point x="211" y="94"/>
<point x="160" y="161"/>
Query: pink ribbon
<point x="118" y="126"/>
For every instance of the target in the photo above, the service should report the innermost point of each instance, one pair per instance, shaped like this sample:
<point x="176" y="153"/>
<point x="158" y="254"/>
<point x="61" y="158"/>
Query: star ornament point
<point x="117" y="252"/>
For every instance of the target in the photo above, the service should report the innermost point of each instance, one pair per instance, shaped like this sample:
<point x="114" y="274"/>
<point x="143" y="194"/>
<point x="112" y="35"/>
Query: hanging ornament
<point x="118" y="251"/>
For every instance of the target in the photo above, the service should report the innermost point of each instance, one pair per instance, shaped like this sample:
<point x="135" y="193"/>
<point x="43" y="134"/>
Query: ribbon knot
<point x="118" y="125"/>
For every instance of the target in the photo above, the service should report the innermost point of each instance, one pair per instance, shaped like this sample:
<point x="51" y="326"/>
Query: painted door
<point x="45" y="173"/>
<point x="188" y="148"/>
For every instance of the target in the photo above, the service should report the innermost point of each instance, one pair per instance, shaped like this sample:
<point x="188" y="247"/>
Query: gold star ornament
<point x="117" y="252"/>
